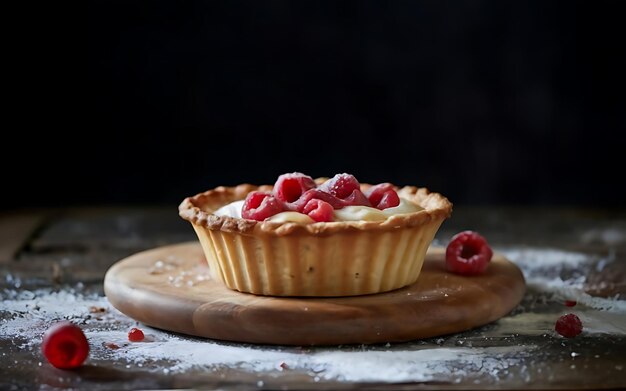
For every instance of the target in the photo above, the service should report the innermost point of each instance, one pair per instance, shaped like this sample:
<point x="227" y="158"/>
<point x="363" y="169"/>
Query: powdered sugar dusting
<point x="502" y="350"/>
<point x="396" y="365"/>
<point x="413" y="365"/>
<point x="27" y="314"/>
<point x="563" y="275"/>
<point x="533" y="259"/>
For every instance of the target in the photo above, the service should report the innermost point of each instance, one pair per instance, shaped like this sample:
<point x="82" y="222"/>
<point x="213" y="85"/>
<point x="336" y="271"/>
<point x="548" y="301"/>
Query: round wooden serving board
<point x="169" y="288"/>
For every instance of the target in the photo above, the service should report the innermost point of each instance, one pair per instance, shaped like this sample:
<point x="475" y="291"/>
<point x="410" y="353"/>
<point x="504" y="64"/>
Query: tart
<point x="364" y="249"/>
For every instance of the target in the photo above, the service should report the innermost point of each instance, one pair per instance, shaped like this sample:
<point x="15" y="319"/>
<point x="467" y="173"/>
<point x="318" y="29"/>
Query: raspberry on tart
<point x="259" y="206"/>
<point x="318" y="210"/>
<point x="341" y="185"/>
<point x="316" y="194"/>
<point x="289" y="187"/>
<point x="383" y="196"/>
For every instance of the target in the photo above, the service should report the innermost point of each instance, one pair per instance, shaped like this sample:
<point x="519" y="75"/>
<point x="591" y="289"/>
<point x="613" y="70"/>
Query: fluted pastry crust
<point x="319" y="259"/>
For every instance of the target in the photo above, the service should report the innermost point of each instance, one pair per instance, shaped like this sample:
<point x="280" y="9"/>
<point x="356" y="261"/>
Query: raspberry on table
<point x="65" y="346"/>
<point x="468" y="253"/>
<point x="569" y="326"/>
<point x="135" y="335"/>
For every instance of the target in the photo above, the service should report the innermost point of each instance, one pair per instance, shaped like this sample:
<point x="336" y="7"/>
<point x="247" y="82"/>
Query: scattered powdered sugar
<point x="28" y="314"/>
<point x="552" y="276"/>
<point x="413" y="365"/>
<point x="189" y="277"/>
<point x="533" y="259"/>
<point x="573" y="290"/>
<point x="327" y="363"/>
<point x="563" y="275"/>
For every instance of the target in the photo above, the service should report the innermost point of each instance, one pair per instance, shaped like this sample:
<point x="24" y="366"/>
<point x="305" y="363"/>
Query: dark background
<point x="487" y="102"/>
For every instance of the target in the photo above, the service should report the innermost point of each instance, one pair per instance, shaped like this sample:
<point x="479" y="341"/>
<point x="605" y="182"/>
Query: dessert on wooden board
<point x="329" y="261"/>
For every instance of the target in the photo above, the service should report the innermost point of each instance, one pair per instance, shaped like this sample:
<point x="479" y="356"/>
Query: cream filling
<point x="293" y="217"/>
<point x="230" y="210"/>
<point x="349" y="213"/>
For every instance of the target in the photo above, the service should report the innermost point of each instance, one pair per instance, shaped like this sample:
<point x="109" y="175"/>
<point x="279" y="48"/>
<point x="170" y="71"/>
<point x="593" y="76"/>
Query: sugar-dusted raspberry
<point x="289" y="187"/>
<point x="135" y="335"/>
<point x="318" y="210"/>
<point x="569" y="326"/>
<point x="65" y="346"/>
<point x="468" y="253"/>
<point x="341" y="185"/>
<point x="383" y="196"/>
<point x="260" y="205"/>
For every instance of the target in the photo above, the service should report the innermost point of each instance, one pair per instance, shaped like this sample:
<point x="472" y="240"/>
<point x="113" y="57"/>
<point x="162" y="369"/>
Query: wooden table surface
<point x="62" y="255"/>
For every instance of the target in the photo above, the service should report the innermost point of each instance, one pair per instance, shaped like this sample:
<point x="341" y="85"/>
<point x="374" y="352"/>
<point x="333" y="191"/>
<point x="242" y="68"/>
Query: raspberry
<point x="569" y="303"/>
<point x="318" y="210"/>
<point x="289" y="187"/>
<point x="135" y="335"/>
<point x="261" y="205"/>
<point x="569" y="326"/>
<point x="341" y="185"/>
<point x="390" y="199"/>
<point x="468" y="253"/>
<point x="383" y="196"/>
<point x="65" y="346"/>
<point x="356" y="198"/>
<point x="317" y="194"/>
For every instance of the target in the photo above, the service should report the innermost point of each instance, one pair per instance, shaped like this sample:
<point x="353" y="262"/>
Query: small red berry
<point x="570" y="303"/>
<point x="375" y="193"/>
<point x="259" y="206"/>
<point x="318" y="210"/>
<point x="390" y="199"/>
<point x="317" y="194"/>
<point x="289" y="187"/>
<point x="468" y="253"/>
<point x="341" y="185"/>
<point x="356" y="198"/>
<point x="569" y="326"/>
<point x="383" y="196"/>
<point x="65" y="346"/>
<point x="135" y="335"/>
